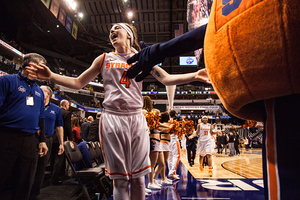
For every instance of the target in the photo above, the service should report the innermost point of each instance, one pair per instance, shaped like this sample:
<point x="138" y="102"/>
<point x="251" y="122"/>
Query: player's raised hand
<point x="146" y="59"/>
<point x="43" y="72"/>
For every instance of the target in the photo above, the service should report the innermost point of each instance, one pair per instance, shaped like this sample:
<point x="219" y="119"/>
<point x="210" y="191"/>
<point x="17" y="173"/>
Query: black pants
<point x="18" y="161"/>
<point x="40" y="170"/>
<point x="220" y="148"/>
<point x="191" y="151"/>
<point x="225" y="146"/>
<point x="57" y="163"/>
<point x="236" y="146"/>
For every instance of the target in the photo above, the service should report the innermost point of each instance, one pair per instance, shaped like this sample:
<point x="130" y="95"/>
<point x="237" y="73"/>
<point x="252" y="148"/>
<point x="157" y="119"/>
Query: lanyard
<point x="46" y="108"/>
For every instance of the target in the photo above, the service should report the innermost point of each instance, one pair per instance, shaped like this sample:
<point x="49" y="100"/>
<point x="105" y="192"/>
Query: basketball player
<point x="204" y="147"/>
<point x="123" y="128"/>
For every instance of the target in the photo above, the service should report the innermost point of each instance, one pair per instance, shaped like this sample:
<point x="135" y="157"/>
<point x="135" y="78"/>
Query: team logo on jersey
<point x="72" y="145"/>
<point x="21" y="89"/>
<point x="37" y="94"/>
<point x="117" y="65"/>
<point x="52" y="112"/>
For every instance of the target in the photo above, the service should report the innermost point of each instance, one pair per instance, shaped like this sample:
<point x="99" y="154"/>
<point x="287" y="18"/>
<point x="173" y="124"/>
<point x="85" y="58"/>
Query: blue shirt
<point x="14" y="113"/>
<point x="53" y="118"/>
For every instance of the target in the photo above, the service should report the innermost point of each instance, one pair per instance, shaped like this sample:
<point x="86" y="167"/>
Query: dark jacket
<point x="219" y="139"/>
<point x="237" y="139"/>
<point x="224" y="139"/>
<point x="231" y="138"/>
<point x="94" y="131"/>
<point x="67" y="124"/>
<point x="85" y="129"/>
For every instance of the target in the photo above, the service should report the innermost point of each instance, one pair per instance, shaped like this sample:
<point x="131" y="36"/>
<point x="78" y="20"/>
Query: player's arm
<point x="179" y="79"/>
<point x="43" y="72"/>
<point x="195" y="134"/>
<point x="211" y="131"/>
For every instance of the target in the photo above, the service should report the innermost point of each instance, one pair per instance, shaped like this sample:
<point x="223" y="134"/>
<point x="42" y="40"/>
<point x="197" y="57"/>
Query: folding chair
<point x="105" y="181"/>
<point x="98" y="161"/>
<point x="83" y="176"/>
<point x="99" y="154"/>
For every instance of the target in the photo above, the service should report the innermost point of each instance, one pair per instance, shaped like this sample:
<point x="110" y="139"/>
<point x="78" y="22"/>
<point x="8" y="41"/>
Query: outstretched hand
<point x="41" y="70"/>
<point x="202" y="76"/>
<point x="146" y="59"/>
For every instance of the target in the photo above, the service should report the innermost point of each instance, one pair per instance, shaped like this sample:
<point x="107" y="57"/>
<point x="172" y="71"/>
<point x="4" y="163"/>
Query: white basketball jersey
<point x="121" y="93"/>
<point x="204" y="134"/>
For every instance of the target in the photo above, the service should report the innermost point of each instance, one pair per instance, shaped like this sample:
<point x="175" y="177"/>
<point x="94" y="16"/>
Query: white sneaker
<point x="175" y="176"/>
<point x="167" y="182"/>
<point x="154" y="186"/>
<point x="147" y="190"/>
<point x="156" y="182"/>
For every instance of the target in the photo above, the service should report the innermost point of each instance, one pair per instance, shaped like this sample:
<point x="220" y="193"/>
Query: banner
<point x="74" y="30"/>
<point x="69" y="23"/>
<point x="46" y="3"/>
<point x="12" y="49"/>
<point x="198" y="12"/>
<point x="62" y="16"/>
<point x="196" y="107"/>
<point x="54" y="7"/>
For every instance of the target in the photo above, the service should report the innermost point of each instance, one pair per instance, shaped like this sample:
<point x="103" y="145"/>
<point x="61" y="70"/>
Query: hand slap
<point x="146" y="59"/>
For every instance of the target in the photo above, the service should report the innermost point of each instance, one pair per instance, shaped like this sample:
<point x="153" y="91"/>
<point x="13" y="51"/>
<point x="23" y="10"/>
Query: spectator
<point x="219" y="141"/>
<point x="64" y="107"/>
<point x="224" y="142"/>
<point x="94" y="129"/>
<point x="85" y="128"/>
<point x="236" y="143"/>
<point x="231" y="144"/>
<point x="58" y="161"/>
<point x="21" y="116"/>
<point x="76" y="130"/>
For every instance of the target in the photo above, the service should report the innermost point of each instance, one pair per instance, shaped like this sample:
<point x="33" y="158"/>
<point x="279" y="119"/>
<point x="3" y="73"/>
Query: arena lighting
<point x="130" y="14"/>
<point x="71" y="3"/>
<point x="133" y="22"/>
<point x="57" y="26"/>
<point x="125" y="1"/>
<point x="80" y="15"/>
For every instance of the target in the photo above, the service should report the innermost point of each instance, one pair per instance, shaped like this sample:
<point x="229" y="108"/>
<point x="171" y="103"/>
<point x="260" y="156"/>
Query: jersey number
<point x="205" y="132"/>
<point x="125" y="80"/>
<point x="227" y="9"/>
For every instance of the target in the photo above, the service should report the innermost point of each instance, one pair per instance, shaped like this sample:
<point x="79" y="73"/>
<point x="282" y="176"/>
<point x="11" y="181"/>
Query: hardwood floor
<point x="247" y="165"/>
